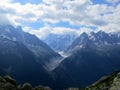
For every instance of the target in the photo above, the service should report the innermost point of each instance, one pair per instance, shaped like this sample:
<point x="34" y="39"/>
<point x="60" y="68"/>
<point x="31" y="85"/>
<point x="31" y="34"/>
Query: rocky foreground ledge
<point x="111" y="82"/>
<point x="7" y="83"/>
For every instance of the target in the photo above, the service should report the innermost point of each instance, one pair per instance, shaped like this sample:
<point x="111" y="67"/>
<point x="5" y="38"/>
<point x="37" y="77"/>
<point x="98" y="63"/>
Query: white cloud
<point x="46" y="30"/>
<point x="4" y="20"/>
<point x="63" y="30"/>
<point x="112" y="1"/>
<point x="41" y="32"/>
<point x="76" y="12"/>
<point x="110" y="28"/>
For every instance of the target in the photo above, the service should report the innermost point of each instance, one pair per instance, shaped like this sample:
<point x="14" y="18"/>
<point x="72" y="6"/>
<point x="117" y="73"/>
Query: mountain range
<point x="92" y="56"/>
<point x="98" y="40"/>
<point x="28" y="59"/>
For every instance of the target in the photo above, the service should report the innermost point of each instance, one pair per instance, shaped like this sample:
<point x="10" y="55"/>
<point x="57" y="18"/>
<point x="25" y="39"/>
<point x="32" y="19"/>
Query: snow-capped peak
<point x="95" y="39"/>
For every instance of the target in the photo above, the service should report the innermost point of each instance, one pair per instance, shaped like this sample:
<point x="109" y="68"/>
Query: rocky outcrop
<point x="7" y="83"/>
<point x="111" y="82"/>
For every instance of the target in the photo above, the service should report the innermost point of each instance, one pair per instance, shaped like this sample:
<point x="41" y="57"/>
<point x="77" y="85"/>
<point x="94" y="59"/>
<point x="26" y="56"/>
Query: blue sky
<point x="38" y="1"/>
<point x="42" y="17"/>
<point x="104" y="2"/>
<point x="28" y="1"/>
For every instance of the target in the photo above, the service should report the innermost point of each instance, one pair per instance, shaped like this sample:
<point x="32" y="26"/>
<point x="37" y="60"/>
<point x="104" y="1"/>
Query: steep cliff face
<point x="34" y="44"/>
<point x="24" y="56"/>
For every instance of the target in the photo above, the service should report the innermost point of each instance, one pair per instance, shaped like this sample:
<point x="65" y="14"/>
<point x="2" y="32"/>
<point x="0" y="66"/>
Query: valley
<point x="59" y="45"/>
<point x="28" y="59"/>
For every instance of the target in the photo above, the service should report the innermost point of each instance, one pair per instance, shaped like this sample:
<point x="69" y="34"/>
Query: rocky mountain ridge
<point x="93" y="40"/>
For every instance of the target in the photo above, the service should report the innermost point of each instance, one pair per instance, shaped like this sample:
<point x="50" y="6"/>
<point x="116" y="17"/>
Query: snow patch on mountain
<point x="53" y="63"/>
<point x="14" y="39"/>
<point x="63" y="54"/>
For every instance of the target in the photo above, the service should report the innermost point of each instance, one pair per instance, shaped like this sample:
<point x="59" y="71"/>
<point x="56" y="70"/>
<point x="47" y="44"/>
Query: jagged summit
<point x="99" y="39"/>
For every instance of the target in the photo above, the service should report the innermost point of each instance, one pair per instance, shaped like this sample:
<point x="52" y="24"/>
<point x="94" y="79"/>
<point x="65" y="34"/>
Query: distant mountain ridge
<point x="60" y="42"/>
<point x="95" y="40"/>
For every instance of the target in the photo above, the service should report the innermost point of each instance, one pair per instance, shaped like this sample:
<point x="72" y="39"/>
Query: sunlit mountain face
<point x="60" y="44"/>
